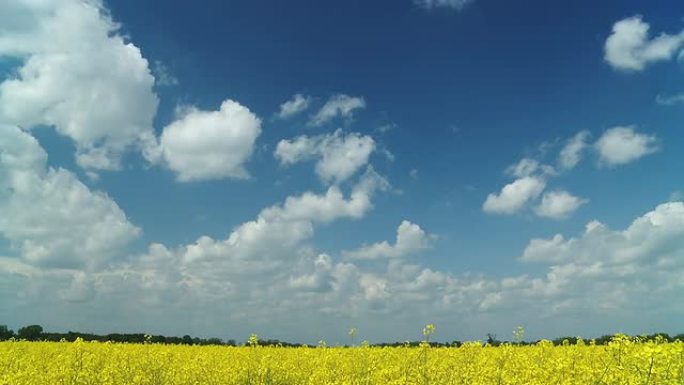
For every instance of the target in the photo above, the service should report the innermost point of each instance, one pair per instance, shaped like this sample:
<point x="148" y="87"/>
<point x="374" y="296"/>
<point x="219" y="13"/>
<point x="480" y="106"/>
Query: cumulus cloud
<point x="80" y="76"/>
<point x="654" y="238"/>
<point x="410" y="239"/>
<point x="558" y="204"/>
<point x="622" y="145"/>
<point x="280" y="229"/>
<point x="339" y="156"/>
<point x="611" y="273"/>
<point x="337" y="106"/>
<point x="52" y="218"/>
<point x="319" y="279"/>
<point x="514" y="196"/>
<point x="204" y="145"/>
<point x="571" y="154"/>
<point x="630" y="48"/>
<point x="601" y="274"/>
<point x="294" y="106"/>
<point x="454" y="4"/>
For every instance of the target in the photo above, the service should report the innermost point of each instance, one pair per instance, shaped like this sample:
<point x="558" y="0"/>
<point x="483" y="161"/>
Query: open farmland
<point x="622" y="361"/>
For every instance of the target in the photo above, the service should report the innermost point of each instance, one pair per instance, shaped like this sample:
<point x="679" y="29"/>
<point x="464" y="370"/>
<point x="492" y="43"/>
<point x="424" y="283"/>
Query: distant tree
<point x="187" y="340"/>
<point x="30" y="333"/>
<point x="491" y="340"/>
<point x="5" y="333"/>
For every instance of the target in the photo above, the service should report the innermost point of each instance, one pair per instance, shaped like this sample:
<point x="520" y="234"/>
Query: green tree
<point x="5" y="333"/>
<point x="30" y="333"/>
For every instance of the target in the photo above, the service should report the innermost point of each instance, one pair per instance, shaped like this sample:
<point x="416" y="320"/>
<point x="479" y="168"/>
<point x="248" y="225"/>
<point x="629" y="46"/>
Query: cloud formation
<point x="79" y="75"/>
<point x="205" y="145"/>
<point x="630" y="48"/>
<point x="298" y="103"/>
<point x="339" y="105"/>
<point x="558" y="204"/>
<point x="410" y="239"/>
<point x="49" y="216"/>
<point x="571" y="154"/>
<point x="514" y="196"/>
<point x="621" y="145"/>
<point x="338" y="155"/>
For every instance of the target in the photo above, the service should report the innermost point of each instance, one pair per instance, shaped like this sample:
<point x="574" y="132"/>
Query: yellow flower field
<point x="623" y="361"/>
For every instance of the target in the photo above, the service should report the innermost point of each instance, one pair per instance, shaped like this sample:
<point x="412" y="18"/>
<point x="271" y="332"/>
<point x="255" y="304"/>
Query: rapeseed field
<point x="624" y="360"/>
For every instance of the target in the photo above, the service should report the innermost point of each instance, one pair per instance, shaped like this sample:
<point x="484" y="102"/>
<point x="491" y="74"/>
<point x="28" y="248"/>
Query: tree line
<point x="36" y="333"/>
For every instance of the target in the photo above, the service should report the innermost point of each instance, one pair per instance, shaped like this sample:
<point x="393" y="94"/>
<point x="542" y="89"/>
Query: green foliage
<point x="5" y="333"/>
<point x="30" y="333"/>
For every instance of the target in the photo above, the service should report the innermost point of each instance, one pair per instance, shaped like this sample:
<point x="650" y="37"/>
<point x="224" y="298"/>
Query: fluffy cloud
<point x="78" y="75"/>
<point x="410" y="239"/>
<point x="49" y="215"/>
<point x="571" y="154"/>
<point x="292" y="107"/>
<point x="454" y="4"/>
<point x="319" y="279"/>
<point x="601" y="274"/>
<point x="204" y="145"/>
<point x="339" y="156"/>
<point x="617" y="146"/>
<point x="527" y="167"/>
<point x="611" y="273"/>
<point x="653" y="239"/>
<point x="514" y="196"/>
<point x="558" y="204"/>
<point x="630" y="48"/>
<point x="338" y="105"/>
<point x="622" y="145"/>
<point x="279" y="231"/>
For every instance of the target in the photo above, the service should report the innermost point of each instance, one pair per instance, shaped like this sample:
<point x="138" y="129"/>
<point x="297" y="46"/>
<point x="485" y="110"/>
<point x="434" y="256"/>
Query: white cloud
<point x="205" y="145"/>
<point x="656" y="234"/>
<point x="571" y="154"/>
<point x="525" y="167"/>
<point x="279" y="231"/>
<point x="297" y="104"/>
<point x="558" y="204"/>
<point x="163" y="76"/>
<point x="49" y="215"/>
<point x="338" y="105"/>
<point x="670" y="100"/>
<point x="339" y="156"/>
<point x="514" y="196"/>
<point x="602" y="274"/>
<point x="320" y="279"/>
<point x="546" y="250"/>
<point x="454" y="4"/>
<point x="332" y="205"/>
<point x="529" y="167"/>
<point x="78" y="75"/>
<point x="410" y="239"/>
<point x="630" y="48"/>
<point x="622" y="145"/>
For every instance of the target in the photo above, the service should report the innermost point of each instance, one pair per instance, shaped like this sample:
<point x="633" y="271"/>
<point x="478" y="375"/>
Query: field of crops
<point x="623" y="361"/>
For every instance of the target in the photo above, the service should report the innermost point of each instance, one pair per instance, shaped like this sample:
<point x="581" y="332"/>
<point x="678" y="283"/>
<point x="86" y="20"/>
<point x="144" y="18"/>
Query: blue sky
<point x="298" y="169"/>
